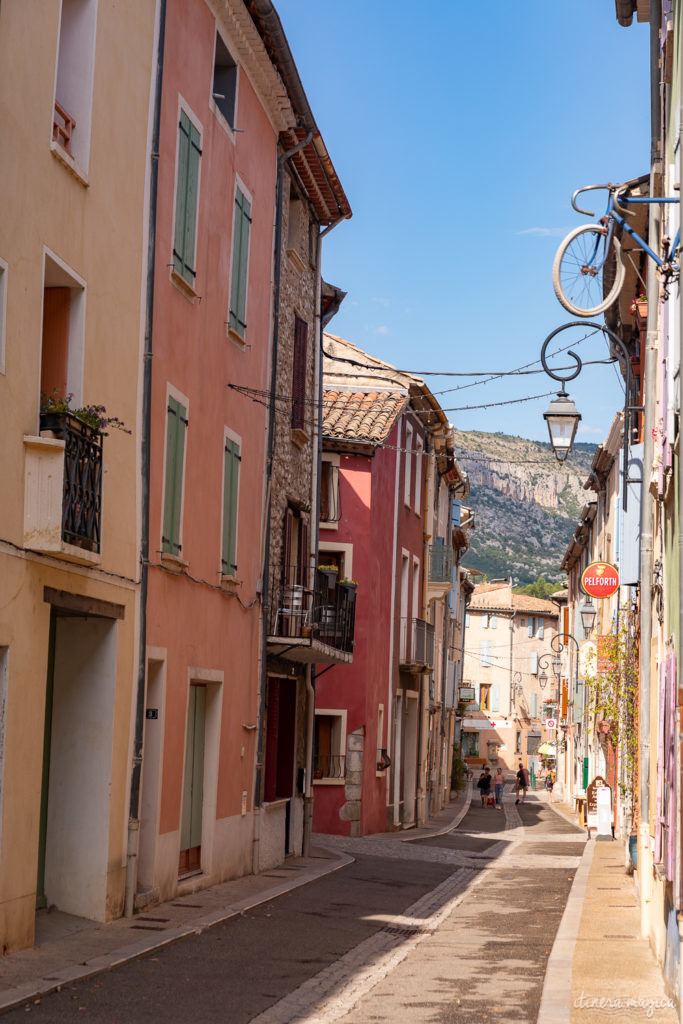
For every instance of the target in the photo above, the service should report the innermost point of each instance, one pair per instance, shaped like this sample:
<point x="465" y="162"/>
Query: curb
<point x="557" y="988"/>
<point x="12" y="998"/>
<point x="451" y="825"/>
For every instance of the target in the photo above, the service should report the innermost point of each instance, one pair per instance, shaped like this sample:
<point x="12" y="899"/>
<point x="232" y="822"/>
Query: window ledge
<point x="329" y="782"/>
<point x="222" y="119"/>
<point x="230" y="583"/>
<point x="183" y="286"/>
<point x="271" y="805"/>
<point x="173" y="562"/>
<point x="237" y="338"/>
<point x="299" y="437"/>
<point x="329" y="524"/>
<point x="381" y="775"/>
<point x="60" y="154"/>
<point x="296" y="261"/>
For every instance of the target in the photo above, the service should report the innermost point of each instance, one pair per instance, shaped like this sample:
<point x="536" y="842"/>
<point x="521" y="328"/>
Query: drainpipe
<point x="316" y="460"/>
<point x="646" y="528"/>
<point x="265" y="580"/>
<point x="424" y="788"/>
<point x="134" y="802"/>
<point x="679" y="653"/>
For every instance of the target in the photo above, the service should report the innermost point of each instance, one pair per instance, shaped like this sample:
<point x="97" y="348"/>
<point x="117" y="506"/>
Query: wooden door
<point x="193" y="783"/>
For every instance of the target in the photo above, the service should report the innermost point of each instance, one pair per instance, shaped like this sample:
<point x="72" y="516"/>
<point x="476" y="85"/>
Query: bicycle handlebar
<point x="588" y="188"/>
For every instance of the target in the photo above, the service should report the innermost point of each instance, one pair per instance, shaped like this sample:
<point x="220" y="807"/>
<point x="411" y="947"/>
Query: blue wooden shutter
<point x="240" y="261"/>
<point x="232" y="461"/>
<point x="531" y="625"/>
<point x="494" y="622"/>
<point x="176" y="425"/>
<point x="495" y="697"/>
<point x="533" y="663"/>
<point x="541" y="623"/>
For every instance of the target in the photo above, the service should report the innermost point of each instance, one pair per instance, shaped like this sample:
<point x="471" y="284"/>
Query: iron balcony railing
<point x="329" y="766"/>
<point x="82" y="491"/>
<point x="311" y="603"/>
<point x="440" y="563"/>
<point x="417" y="643"/>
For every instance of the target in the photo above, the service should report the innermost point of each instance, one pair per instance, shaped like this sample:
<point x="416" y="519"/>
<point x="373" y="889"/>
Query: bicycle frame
<point x="612" y="214"/>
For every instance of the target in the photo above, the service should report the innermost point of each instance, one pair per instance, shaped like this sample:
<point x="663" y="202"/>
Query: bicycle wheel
<point x="588" y="273"/>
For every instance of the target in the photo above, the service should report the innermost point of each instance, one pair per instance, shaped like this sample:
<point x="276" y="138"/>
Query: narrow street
<point x="473" y="913"/>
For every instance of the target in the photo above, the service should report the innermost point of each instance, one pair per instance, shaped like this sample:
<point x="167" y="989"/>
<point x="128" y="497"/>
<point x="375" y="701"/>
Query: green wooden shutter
<point x="187" y="188"/>
<point x="176" y="424"/>
<point x="193" y="776"/>
<point x="240" y="263"/>
<point x="232" y="461"/>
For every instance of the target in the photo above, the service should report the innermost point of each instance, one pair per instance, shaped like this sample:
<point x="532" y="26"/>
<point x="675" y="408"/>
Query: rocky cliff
<point x="526" y="504"/>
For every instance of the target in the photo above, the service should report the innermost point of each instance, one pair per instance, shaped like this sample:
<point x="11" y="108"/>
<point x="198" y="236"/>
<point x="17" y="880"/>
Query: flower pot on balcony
<point x="329" y="572"/>
<point x="57" y="423"/>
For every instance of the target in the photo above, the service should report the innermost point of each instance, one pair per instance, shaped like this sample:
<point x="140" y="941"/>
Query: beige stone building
<point x="71" y="324"/>
<point x="507" y="655"/>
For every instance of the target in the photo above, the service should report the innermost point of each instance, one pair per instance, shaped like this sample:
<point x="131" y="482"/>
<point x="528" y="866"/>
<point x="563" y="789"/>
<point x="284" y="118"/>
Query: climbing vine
<point x="612" y="698"/>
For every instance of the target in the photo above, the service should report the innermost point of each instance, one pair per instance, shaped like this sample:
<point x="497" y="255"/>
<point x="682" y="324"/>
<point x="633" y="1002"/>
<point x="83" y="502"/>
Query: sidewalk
<point x="69" y="949"/>
<point x="599" y="966"/>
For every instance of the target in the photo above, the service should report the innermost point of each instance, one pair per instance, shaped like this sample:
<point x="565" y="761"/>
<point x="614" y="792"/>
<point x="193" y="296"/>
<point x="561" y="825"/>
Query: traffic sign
<point x="551" y="723"/>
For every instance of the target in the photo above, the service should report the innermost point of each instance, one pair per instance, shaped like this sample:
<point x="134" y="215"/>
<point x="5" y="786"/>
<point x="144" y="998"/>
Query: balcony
<point x="440" y="571"/>
<point x="328" y="766"/>
<point x="311" y="618"/>
<point x="416" y="646"/>
<point x="63" y="490"/>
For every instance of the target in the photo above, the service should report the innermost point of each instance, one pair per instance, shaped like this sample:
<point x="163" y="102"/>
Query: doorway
<point x="193" y="783"/>
<point x="410" y="758"/>
<point x="73" y="844"/>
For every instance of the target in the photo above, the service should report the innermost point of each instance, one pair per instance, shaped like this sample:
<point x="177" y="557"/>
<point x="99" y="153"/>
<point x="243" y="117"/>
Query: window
<point x="231" y="475"/>
<point x="494" y="622"/>
<point x="485" y="696"/>
<point x="518" y="743"/>
<point x="533" y="663"/>
<point x="407" y="464"/>
<point x="224" y="89"/>
<point x="61" y="358"/>
<point x="74" y="85"/>
<point x="470" y="744"/>
<point x="278" y="775"/>
<point x="329" y="743"/>
<point x="418" y="475"/>
<point x="485" y="621"/>
<point x="495" y="697"/>
<point x="467" y="619"/>
<point x="295" y="549"/>
<point x="533" y="699"/>
<point x="330" y="508"/>
<point x="3" y="312"/>
<point x="186" y="201"/>
<point x="299" y="375"/>
<point x="540" y="622"/>
<point x="531" y="625"/>
<point x="237" y="319"/>
<point x="485" y="653"/>
<point x="176" y="427"/>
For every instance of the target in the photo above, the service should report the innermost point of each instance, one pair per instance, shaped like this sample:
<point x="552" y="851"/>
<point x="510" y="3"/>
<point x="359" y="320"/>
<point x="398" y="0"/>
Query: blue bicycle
<point x="588" y="272"/>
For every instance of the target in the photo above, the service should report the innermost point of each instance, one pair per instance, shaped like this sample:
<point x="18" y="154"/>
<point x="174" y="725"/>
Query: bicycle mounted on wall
<point x="592" y="254"/>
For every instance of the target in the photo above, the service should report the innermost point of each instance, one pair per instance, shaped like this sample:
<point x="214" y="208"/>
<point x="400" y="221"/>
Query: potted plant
<point x="330" y="571"/>
<point x="56" y="414"/>
<point x="639" y="307"/>
<point x="346" y="582"/>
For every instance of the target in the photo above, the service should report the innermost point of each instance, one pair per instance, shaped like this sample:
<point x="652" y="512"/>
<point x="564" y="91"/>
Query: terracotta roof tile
<point x="361" y="415"/>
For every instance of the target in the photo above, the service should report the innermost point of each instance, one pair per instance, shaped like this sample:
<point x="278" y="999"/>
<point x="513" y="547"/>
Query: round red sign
<point x="600" y="579"/>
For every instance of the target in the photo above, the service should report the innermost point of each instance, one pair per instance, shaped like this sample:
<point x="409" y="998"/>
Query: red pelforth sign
<point x="600" y="579"/>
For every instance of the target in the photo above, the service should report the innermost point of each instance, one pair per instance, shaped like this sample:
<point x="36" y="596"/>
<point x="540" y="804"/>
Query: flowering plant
<point x="348" y="580"/>
<point x="329" y="568"/>
<point x="637" y="302"/>
<point x="94" y="415"/>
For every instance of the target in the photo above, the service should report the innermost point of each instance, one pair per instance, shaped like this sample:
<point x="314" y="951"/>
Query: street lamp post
<point x="563" y="417"/>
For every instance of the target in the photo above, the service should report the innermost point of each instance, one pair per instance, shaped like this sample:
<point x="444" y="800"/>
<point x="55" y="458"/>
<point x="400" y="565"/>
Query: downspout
<point x="679" y="525"/>
<point x="265" y="584"/>
<point x="646" y="528"/>
<point x="424" y="788"/>
<point x="134" y="802"/>
<point x="316" y="461"/>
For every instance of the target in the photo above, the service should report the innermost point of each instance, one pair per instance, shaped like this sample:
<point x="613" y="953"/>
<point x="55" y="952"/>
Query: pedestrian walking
<point x="549" y="783"/>
<point x="498" y="783"/>
<point x="522" y="782"/>
<point x="484" y="785"/>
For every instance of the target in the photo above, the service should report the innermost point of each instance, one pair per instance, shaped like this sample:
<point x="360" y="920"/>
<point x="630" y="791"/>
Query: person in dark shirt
<point x="522" y="782"/>
<point x="484" y="785"/>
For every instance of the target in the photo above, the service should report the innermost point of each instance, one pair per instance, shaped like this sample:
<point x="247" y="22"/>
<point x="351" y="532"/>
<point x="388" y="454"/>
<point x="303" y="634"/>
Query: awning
<point x="547" y="749"/>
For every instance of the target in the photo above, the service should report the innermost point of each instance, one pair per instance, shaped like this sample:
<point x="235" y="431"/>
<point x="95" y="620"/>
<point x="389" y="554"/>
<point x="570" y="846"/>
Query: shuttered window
<point x="485" y="653"/>
<point x="176" y="427"/>
<point x="231" y="472"/>
<point x="531" y="625"/>
<point x="299" y="375"/>
<point x="534" y="705"/>
<point x="533" y="663"/>
<point x="237" y="319"/>
<point x="187" y="191"/>
<point x="540" y="630"/>
<point x="495" y="697"/>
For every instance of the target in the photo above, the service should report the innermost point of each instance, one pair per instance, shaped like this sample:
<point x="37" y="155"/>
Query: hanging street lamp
<point x="563" y="418"/>
<point x="588" y="613"/>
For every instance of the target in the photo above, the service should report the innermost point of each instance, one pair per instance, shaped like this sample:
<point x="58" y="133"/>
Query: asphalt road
<point x="497" y="940"/>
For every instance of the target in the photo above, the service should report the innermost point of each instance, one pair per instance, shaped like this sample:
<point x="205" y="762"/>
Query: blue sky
<point x="459" y="131"/>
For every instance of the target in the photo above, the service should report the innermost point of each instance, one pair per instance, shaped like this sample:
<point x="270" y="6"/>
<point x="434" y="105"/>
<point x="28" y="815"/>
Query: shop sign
<point x="600" y="579"/>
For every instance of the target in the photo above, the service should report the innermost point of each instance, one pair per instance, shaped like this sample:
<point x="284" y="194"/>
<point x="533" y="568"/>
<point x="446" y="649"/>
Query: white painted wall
<point x="77" y="844"/>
